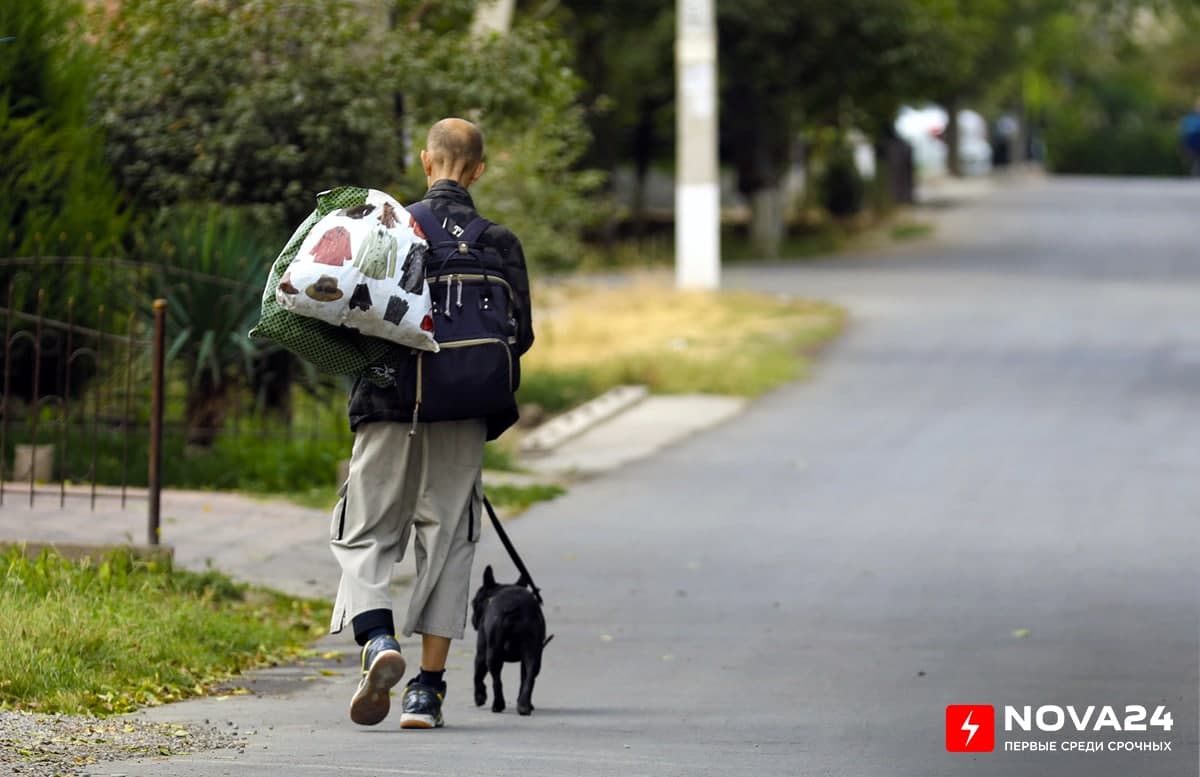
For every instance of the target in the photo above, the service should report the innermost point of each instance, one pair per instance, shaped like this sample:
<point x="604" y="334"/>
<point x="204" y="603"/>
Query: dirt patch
<point x="34" y="745"/>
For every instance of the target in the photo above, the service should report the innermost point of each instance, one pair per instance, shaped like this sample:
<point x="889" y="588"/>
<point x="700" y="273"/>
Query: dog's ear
<point x="489" y="580"/>
<point x="525" y="581"/>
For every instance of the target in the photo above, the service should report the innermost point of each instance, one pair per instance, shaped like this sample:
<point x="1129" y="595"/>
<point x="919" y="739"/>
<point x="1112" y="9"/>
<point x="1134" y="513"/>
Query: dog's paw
<point x="480" y="698"/>
<point x="498" y="705"/>
<point x="524" y="709"/>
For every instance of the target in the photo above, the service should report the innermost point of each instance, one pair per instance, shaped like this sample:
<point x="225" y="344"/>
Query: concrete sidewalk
<point x="284" y="546"/>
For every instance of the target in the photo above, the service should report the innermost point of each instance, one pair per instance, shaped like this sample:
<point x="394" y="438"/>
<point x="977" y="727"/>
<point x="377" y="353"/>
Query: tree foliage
<point x="264" y="102"/>
<point x="1115" y="111"/>
<point x="243" y="102"/>
<point x="522" y="90"/>
<point x="625" y="55"/>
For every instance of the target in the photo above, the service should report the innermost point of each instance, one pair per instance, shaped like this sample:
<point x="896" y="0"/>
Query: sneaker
<point x="422" y="706"/>
<point x="382" y="667"/>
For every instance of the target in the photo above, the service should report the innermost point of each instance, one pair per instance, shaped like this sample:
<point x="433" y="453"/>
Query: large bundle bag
<point x="349" y="287"/>
<point x="475" y="372"/>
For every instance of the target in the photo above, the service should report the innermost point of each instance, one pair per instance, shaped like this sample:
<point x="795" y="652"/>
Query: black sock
<point x="432" y="679"/>
<point x="378" y="631"/>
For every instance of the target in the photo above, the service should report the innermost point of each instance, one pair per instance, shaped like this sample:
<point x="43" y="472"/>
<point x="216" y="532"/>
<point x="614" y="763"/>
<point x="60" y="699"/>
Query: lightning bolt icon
<point x="969" y="727"/>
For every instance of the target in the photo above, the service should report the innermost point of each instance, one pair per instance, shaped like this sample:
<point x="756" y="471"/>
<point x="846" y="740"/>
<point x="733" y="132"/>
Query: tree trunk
<point x="272" y="381"/>
<point x="205" y="412"/>
<point x="643" y="152"/>
<point x="1019" y="140"/>
<point x="884" y="190"/>
<point x="894" y="170"/>
<point x="951" y="137"/>
<point x="766" y="221"/>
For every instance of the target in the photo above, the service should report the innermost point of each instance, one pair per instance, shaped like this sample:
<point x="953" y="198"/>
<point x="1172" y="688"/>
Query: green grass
<point x="510" y="498"/>
<point x="513" y="498"/>
<point x="265" y="463"/>
<point x="109" y="636"/>
<point x="558" y="390"/>
<point x="673" y="342"/>
<point x="910" y="230"/>
<point x="658" y="249"/>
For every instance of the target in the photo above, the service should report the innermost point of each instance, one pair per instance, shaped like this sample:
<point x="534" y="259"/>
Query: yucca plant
<point x="210" y="265"/>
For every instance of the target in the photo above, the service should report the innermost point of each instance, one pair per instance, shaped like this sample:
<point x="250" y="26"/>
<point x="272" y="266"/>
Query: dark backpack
<point x="476" y="371"/>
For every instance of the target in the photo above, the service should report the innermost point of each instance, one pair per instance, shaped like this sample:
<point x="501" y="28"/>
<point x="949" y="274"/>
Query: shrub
<point x="842" y="189"/>
<point x="252" y="103"/>
<point x="58" y="197"/>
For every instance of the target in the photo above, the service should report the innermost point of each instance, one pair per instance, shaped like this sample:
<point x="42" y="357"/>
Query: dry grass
<point x="645" y="331"/>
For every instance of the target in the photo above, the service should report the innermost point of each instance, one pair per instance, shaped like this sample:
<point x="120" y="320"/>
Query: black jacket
<point x="451" y="202"/>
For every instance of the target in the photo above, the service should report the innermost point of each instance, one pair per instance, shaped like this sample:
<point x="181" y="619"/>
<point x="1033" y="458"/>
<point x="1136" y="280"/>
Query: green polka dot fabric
<point x="332" y="349"/>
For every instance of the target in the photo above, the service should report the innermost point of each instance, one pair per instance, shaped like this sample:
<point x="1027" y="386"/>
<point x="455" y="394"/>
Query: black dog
<point x="511" y="628"/>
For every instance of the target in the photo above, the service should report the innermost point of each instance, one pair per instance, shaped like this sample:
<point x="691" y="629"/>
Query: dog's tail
<point x="547" y="642"/>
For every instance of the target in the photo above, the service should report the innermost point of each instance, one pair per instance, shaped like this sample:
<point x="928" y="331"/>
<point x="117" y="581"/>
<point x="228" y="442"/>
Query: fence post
<point x="156" y="418"/>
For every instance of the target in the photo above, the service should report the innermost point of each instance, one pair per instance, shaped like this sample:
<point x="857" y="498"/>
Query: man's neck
<point x="431" y="180"/>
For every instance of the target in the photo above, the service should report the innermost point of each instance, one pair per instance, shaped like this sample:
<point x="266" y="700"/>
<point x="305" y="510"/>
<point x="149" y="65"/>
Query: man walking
<point x="1189" y="138"/>
<point x="421" y="478"/>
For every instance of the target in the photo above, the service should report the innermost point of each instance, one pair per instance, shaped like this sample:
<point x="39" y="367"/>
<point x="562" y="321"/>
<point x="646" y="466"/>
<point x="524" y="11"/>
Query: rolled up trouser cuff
<point x="366" y="622"/>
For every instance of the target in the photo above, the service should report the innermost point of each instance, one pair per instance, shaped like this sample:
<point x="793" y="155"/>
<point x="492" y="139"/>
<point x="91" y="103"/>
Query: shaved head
<point x="454" y="149"/>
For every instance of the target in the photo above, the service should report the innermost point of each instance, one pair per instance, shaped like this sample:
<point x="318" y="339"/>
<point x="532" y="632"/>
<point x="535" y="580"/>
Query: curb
<point x="575" y="422"/>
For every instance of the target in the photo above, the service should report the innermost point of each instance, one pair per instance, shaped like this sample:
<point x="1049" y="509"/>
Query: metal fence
<point x="95" y="388"/>
<point x="73" y="376"/>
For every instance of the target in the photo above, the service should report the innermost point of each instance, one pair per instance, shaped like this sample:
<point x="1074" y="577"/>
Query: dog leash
<point x="512" y="552"/>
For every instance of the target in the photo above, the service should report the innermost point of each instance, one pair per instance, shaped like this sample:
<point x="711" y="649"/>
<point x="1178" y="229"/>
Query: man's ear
<point x="479" y="172"/>
<point x="489" y="580"/>
<point x="426" y="162"/>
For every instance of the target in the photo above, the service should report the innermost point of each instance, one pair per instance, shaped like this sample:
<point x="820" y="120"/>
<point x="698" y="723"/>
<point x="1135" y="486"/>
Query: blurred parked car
<point x="924" y="129"/>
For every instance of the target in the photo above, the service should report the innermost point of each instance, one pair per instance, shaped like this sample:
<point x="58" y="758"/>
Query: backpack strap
<point x="475" y="230"/>
<point x="445" y="245"/>
<point x="437" y="234"/>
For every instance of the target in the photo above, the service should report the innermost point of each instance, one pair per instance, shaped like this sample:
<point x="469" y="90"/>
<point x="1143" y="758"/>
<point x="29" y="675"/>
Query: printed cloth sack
<point x="349" y="287"/>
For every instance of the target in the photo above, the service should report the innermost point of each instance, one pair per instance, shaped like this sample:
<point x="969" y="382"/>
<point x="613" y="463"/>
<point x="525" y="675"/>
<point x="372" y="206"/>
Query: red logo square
<point x="970" y="728"/>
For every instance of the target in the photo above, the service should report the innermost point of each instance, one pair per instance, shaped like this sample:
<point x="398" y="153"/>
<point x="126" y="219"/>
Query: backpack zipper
<point x="466" y="344"/>
<point x="448" y="277"/>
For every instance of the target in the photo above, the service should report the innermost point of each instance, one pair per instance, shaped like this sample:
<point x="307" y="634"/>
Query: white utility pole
<point x="697" y="189"/>
<point x="492" y="16"/>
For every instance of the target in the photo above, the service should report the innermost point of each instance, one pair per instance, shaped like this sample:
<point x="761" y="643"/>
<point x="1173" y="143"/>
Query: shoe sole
<point x="372" y="700"/>
<point x="409" y="720"/>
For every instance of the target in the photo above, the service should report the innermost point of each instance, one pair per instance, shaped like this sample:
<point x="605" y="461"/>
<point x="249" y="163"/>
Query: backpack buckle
<point x="464" y="248"/>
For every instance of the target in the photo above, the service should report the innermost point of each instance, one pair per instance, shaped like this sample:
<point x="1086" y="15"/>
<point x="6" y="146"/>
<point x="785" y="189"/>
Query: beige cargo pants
<point x="427" y="484"/>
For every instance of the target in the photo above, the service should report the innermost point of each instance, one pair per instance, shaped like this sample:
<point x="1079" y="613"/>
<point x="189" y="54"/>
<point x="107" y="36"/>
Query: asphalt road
<point x="987" y="494"/>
